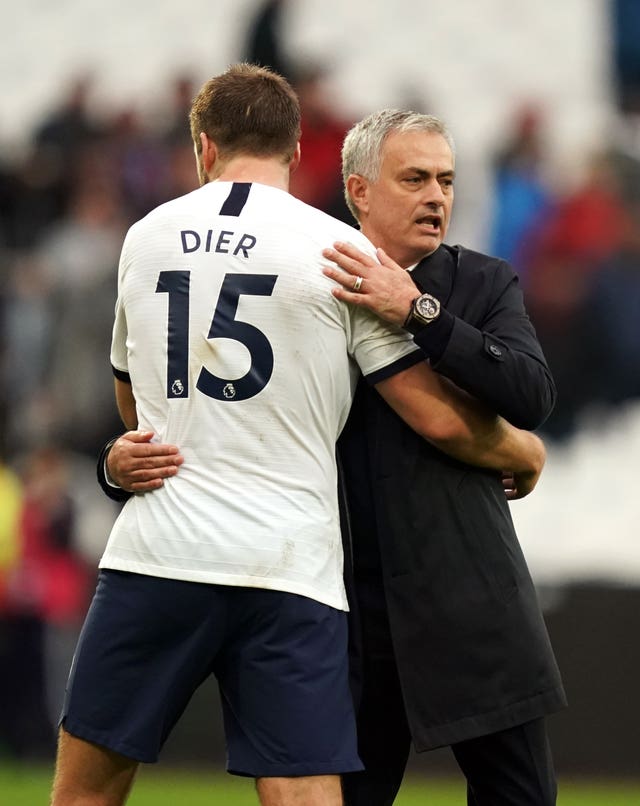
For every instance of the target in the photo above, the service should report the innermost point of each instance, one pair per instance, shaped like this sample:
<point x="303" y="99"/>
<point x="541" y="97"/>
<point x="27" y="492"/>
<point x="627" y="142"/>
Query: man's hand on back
<point x="138" y="465"/>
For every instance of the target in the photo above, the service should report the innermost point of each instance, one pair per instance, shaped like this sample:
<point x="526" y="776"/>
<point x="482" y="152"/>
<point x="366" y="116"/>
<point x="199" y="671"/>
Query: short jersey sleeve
<point x="119" y="356"/>
<point x="380" y="349"/>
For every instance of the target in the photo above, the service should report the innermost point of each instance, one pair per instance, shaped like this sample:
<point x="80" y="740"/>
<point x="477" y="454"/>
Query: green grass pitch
<point x="158" y="786"/>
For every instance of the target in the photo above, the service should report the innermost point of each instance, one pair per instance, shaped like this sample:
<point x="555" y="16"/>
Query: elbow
<point x="528" y="420"/>
<point x="538" y="454"/>
<point x="534" y="409"/>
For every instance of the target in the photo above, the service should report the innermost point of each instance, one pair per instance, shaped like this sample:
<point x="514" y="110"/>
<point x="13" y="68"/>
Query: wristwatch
<point x="425" y="309"/>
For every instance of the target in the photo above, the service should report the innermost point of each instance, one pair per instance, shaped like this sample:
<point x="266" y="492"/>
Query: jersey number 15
<point x="223" y="325"/>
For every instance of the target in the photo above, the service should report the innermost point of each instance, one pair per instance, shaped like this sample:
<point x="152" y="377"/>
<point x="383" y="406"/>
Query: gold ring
<point x="358" y="283"/>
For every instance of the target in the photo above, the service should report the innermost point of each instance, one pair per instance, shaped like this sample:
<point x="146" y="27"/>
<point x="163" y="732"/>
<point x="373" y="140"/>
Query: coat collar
<point x="435" y="273"/>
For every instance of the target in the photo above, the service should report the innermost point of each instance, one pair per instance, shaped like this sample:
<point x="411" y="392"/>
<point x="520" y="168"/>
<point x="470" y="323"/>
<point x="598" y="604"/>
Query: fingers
<point x="508" y="480"/>
<point x="351" y="271"/>
<point x="136" y="479"/>
<point x="349" y="258"/>
<point x="348" y="252"/>
<point x="132" y="462"/>
<point x="144" y="480"/>
<point x="154" y="453"/>
<point x="138" y="465"/>
<point x="510" y="486"/>
<point x="351" y="266"/>
<point x="138" y="444"/>
<point x="345" y="290"/>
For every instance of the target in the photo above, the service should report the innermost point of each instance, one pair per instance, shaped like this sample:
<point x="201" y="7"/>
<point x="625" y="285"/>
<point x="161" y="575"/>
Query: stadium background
<point x="543" y="100"/>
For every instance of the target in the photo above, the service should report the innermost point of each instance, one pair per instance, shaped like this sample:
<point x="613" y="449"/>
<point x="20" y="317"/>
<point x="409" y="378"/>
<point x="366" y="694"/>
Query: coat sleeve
<point x="498" y="358"/>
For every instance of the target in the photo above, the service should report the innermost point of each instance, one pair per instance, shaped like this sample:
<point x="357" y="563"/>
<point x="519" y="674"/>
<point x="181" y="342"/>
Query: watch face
<point x="427" y="307"/>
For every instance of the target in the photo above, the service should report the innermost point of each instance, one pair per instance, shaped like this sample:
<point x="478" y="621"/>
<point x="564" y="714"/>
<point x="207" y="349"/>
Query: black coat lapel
<point x="435" y="273"/>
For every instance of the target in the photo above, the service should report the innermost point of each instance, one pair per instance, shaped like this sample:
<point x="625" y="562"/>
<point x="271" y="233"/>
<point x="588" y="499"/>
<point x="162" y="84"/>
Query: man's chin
<point x="428" y="244"/>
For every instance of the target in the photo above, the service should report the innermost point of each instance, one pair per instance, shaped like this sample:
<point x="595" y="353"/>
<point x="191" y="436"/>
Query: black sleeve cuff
<point x="114" y="493"/>
<point x="121" y="375"/>
<point x="433" y="338"/>
<point x="414" y="357"/>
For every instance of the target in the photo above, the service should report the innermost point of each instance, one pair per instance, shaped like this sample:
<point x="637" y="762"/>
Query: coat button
<point x="494" y="350"/>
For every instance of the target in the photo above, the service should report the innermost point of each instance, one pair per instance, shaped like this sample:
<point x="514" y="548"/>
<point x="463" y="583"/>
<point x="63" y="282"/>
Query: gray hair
<point x="362" y="147"/>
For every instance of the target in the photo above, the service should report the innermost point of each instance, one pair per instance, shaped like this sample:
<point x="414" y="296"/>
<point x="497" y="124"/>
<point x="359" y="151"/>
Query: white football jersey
<point x="239" y="354"/>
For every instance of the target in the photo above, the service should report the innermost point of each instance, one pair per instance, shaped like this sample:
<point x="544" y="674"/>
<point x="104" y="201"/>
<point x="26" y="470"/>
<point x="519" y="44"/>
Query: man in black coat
<point x="452" y="647"/>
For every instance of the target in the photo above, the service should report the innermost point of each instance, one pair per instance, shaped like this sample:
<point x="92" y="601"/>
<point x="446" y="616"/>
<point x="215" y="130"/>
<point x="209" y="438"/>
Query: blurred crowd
<point x="65" y="205"/>
<point x="576" y="247"/>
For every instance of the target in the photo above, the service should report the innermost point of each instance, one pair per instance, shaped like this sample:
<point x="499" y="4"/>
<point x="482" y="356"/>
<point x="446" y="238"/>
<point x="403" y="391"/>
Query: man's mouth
<point x="431" y="221"/>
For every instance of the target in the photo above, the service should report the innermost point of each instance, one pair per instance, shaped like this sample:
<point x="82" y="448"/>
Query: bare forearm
<point x="126" y="404"/>
<point x="496" y="444"/>
<point x="457" y="424"/>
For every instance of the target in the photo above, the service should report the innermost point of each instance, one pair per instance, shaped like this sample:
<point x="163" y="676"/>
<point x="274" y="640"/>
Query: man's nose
<point x="433" y="193"/>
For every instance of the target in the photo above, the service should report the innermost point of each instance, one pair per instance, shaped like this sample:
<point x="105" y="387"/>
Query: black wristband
<point x="114" y="493"/>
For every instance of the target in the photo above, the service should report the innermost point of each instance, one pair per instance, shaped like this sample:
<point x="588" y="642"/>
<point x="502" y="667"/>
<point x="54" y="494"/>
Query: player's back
<point x="239" y="354"/>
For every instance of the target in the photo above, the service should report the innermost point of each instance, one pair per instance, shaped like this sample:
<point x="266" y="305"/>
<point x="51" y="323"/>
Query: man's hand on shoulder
<point x="384" y="288"/>
<point x="138" y="465"/>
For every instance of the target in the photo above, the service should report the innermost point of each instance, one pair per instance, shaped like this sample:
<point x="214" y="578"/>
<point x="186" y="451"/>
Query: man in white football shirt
<point x="228" y="342"/>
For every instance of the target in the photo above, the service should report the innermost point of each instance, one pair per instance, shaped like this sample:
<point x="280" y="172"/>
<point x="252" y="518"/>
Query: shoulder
<point x="322" y="230"/>
<point x="480" y="268"/>
<point x="470" y="260"/>
<point x="334" y="227"/>
<point x="164" y="213"/>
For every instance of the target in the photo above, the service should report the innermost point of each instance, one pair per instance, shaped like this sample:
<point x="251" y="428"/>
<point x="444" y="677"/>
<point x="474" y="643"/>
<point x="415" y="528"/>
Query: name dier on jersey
<point x="226" y="242"/>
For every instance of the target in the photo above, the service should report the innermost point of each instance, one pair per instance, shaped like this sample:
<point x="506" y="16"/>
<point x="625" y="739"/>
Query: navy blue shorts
<point x="280" y="661"/>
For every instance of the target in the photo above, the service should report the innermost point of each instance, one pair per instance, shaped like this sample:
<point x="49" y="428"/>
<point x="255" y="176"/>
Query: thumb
<point x="385" y="260"/>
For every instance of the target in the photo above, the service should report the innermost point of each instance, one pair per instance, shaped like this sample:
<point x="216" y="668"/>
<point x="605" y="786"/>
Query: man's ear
<point x="209" y="153"/>
<point x="295" y="160"/>
<point x="358" y="190"/>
